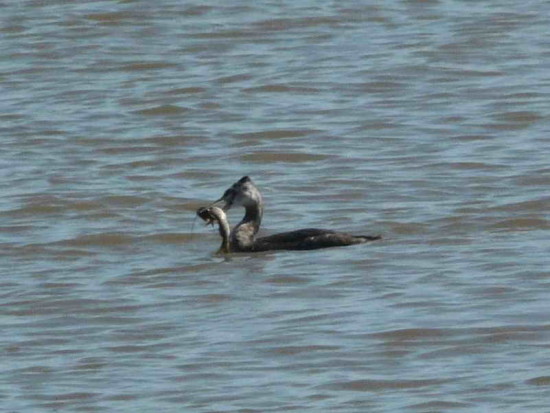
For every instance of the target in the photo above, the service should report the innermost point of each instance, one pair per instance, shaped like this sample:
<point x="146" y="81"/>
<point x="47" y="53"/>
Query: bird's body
<point x="242" y="239"/>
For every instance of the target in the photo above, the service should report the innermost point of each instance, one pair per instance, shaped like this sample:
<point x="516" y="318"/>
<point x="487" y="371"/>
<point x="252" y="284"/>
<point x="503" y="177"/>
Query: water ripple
<point x="420" y="120"/>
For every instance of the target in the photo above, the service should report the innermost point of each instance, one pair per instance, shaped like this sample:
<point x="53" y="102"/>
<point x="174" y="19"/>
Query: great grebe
<point x="243" y="237"/>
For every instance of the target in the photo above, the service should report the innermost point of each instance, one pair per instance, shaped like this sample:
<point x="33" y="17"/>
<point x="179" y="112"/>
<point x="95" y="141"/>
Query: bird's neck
<point x="253" y="215"/>
<point x="244" y="234"/>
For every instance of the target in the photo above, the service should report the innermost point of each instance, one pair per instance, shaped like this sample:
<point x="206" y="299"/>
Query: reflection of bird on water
<point x="243" y="237"/>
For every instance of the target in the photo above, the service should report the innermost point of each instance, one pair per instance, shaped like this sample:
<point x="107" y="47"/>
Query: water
<point x="425" y="121"/>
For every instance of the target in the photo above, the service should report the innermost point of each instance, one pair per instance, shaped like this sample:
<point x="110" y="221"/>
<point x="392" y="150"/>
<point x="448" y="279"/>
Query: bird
<point x="243" y="238"/>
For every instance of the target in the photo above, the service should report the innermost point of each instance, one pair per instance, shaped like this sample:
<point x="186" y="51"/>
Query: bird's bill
<point x="222" y="203"/>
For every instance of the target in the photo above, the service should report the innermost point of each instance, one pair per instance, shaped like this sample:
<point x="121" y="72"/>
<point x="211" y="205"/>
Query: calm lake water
<point x="425" y="121"/>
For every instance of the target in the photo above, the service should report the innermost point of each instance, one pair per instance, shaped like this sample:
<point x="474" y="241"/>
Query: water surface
<point x="425" y="121"/>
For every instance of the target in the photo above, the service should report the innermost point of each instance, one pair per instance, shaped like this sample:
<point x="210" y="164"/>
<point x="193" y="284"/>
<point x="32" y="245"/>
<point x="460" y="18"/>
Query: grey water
<point x="424" y="121"/>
